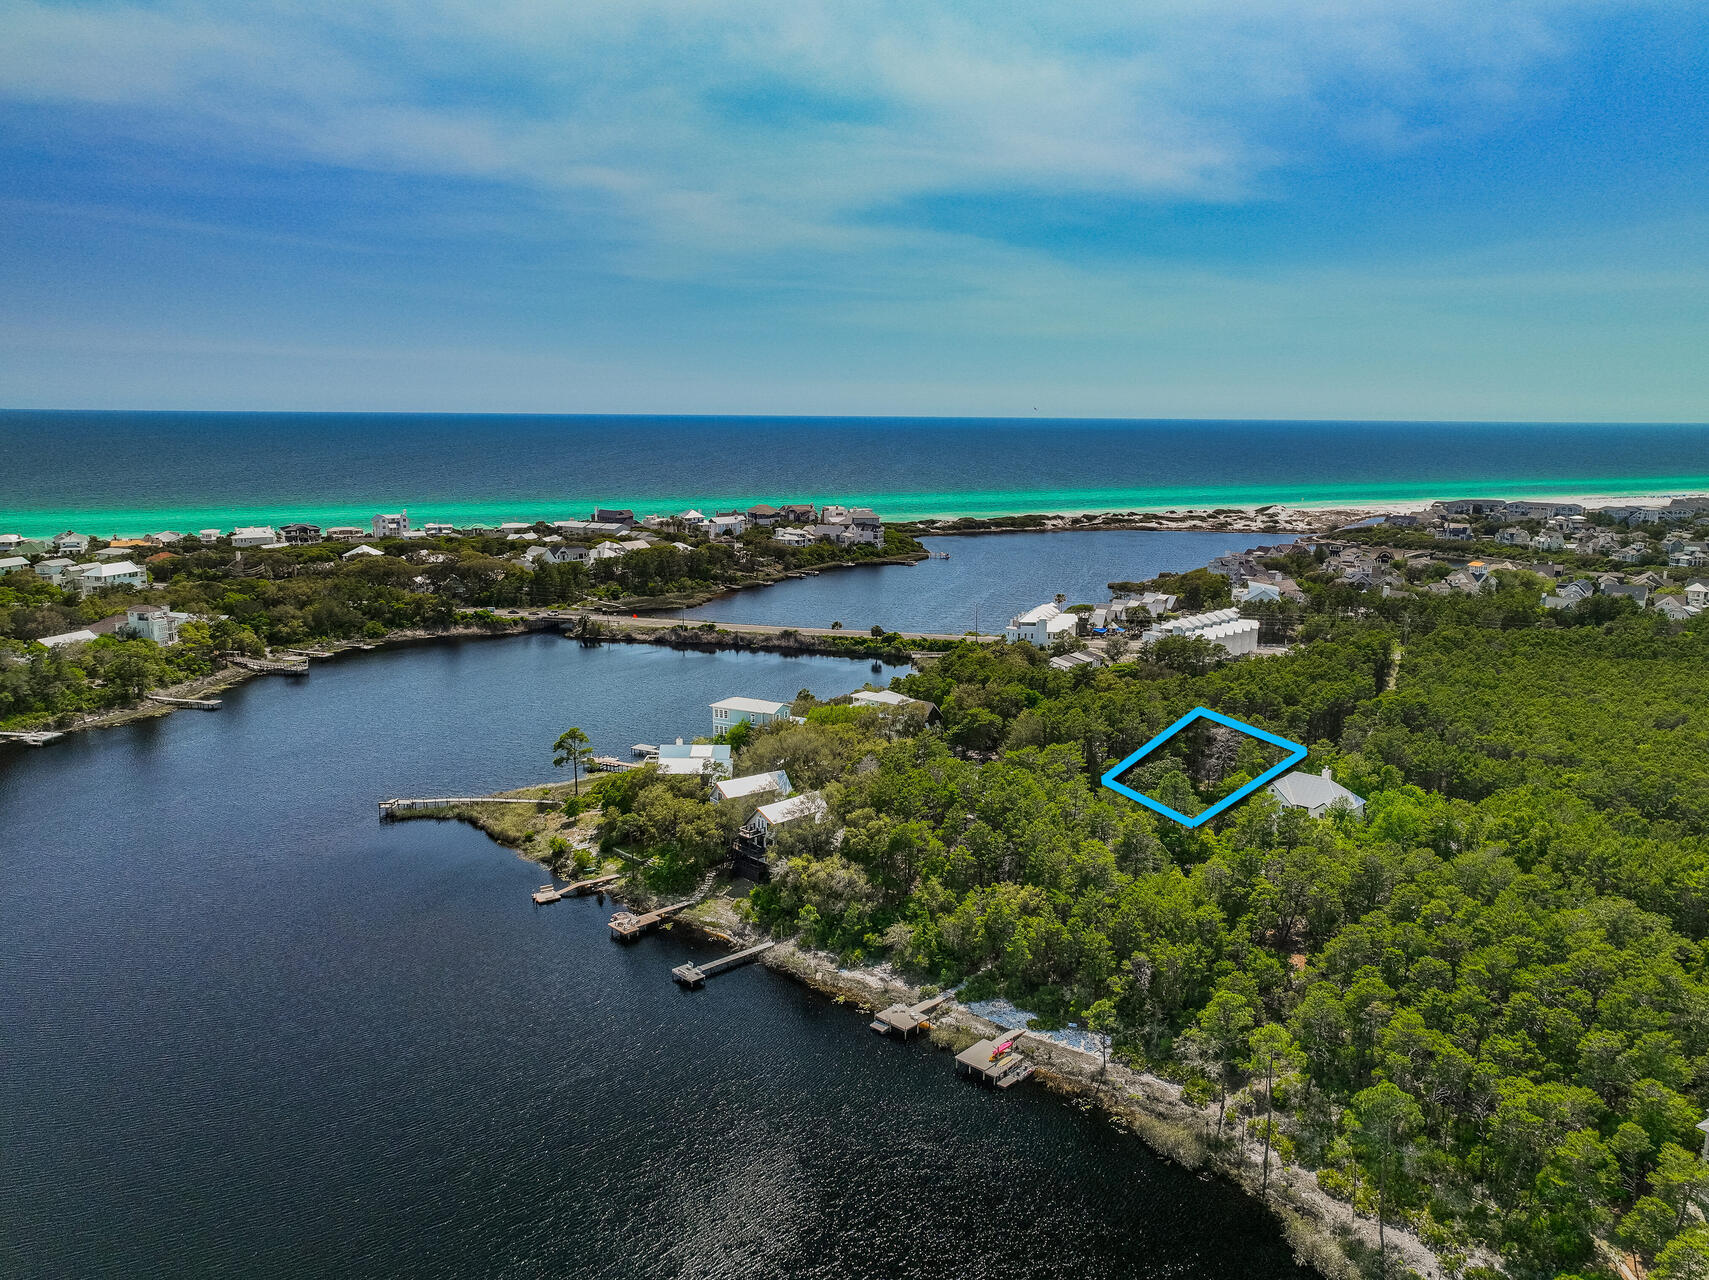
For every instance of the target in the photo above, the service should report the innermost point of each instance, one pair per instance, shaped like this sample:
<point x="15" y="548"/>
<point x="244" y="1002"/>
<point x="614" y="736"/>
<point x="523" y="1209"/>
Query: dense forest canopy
<point x="1483" y="1006"/>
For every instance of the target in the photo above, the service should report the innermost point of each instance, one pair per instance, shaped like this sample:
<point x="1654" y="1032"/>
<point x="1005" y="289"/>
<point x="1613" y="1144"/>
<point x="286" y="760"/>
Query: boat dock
<point x="906" y="1019"/>
<point x="626" y="926"/>
<point x="693" y="976"/>
<point x="389" y="808"/>
<point x="643" y="750"/>
<point x="31" y="737"/>
<point x="307" y="653"/>
<point x="268" y="666"/>
<point x="610" y="764"/>
<point x="554" y="893"/>
<point x="994" y="1061"/>
<point x="201" y="704"/>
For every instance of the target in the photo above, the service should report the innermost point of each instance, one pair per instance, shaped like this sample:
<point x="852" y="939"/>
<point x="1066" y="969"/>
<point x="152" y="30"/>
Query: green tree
<point x="1274" y="1053"/>
<point x="1686" y="1257"/>
<point x="1101" y="1021"/>
<point x="572" y="749"/>
<point x="1224" y="1024"/>
<point x="1383" y="1119"/>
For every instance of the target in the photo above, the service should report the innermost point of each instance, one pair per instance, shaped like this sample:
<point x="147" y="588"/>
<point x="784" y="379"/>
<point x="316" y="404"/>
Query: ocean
<point x="112" y="473"/>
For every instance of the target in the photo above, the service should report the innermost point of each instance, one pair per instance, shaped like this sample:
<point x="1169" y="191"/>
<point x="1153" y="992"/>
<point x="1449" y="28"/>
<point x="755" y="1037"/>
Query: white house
<point x="67" y="637"/>
<point x="1040" y="625"/>
<point x="755" y="784"/>
<point x="726" y="526"/>
<point x="1253" y="592"/>
<point x="122" y="573"/>
<point x="11" y="541"/>
<point x="438" y="529"/>
<point x="759" y="711"/>
<point x="362" y="550"/>
<point x="1220" y="626"/>
<point x="768" y="817"/>
<point x="261" y="535"/>
<point x="391" y="526"/>
<point x="207" y="537"/>
<point x="9" y="563"/>
<point x="1697" y="593"/>
<point x="151" y="622"/>
<point x="71" y="543"/>
<point x="54" y="568"/>
<point x="791" y="538"/>
<point x="1316" y="793"/>
<point x="694" y="758"/>
<point x="886" y="698"/>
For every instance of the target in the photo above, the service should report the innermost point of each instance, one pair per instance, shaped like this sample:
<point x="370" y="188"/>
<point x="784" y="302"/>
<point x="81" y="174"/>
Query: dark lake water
<point x="250" y="1030"/>
<point x="987" y="579"/>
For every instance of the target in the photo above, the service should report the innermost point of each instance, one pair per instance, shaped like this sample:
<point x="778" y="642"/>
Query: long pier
<point x="906" y="1019"/>
<point x="693" y="976"/>
<point x="626" y="926"/>
<point x="31" y="737"/>
<point x="201" y="704"/>
<point x="268" y="666"/>
<point x="389" y="808"/>
<point x="555" y="893"/>
<point x="307" y="653"/>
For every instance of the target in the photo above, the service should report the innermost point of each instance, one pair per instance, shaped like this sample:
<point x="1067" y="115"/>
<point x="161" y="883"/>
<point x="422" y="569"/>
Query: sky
<point x="1407" y="209"/>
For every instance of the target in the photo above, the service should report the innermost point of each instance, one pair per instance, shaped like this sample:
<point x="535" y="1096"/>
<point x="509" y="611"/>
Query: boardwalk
<point x="268" y="666"/>
<point x="390" y="808"/>
<point x="694" y="976"/>
<point x="200" y="704"/>
<point x="30" y="737"/>
<point x="626" y="926"/>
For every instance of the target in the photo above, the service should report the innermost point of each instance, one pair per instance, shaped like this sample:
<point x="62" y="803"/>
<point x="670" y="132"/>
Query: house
<point x="1630" y="590"/>
<point x="395" y="525"/>
<point x="9" y="563"/>
<point x="755" y="784"/>
<point x="1474" y="507"/>
<point x="791" y="538"/>
<point x="560" y="553"/>
<point x="1069" y="661"/>
<point x="730" y="524"/>
<point x="1220" y="626"/>
<point x="364" y="550"/>
<point x="763" y="516"/>
<point x="1549" y="540"/>
<point x="1316" y="793"/>
<point x="605" y="515"/>
<point x="768" y="817"/>
<point x="81" y="636"/>
<point x="1691" y="557"/>
<point x="797" y="513"/>
<point x="438" y="529"/>
<point x="69" y="543"/>
<point x="261" y="535"/>
<point x="604" y="551"/>
<point x="729" y="712"/>
<point x="868" y="528"/>
<point x="1256" y="592"/>
<point x="299" y="535"/>
<point x="883" y="698"/>
<point x="152" y="622"/>
<point x="1697" y="593"/>
<point x="121" y="573"/>
<point x="694" y="758"/>
<point x="1040" y="625"/>
<point x="1151" y="604"/>
<point x="1454" y="531"/>
<point x="54" y="568"/>
<point x="843" y="535"/>
<point x="1514" y="537"/>
<point x="345" y="533"/>
<point x="207" y="537"/>
<point x="11" y="541"/>
<point x="1674" y="611"/>
<point x="1629" y="554"/>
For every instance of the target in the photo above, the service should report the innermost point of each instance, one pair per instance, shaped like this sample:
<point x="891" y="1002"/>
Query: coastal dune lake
<point x="987" y="579"/>
<point x="251" y="1030"/>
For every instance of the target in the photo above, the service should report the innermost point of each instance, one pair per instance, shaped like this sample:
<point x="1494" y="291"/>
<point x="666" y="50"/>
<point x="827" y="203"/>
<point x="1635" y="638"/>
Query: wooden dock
<point x="610" y="764"/>
<point x="307" y="653"/>
<point x="390" y="808"/>
<point x="554" y="893"/>
<point x="268" y="666"/>
<point x="626" y="926"/>
<point x="995" y="1061"/>
<point x="201" y="704"/>
<point x="31" y="737"/>
<point x="694" y="976"/>
<point x="905" y="1019"/>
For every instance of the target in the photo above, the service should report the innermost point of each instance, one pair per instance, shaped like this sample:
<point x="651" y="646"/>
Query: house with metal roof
<point x="1316" y="793"/>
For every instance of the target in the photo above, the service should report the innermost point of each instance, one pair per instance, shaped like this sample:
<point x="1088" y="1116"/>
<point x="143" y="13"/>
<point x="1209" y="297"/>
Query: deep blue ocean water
<point x="135" y="472"/>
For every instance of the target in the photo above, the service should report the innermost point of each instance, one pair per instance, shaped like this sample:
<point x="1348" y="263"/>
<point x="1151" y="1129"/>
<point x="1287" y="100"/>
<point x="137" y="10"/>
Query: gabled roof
<point x="1309" y="790"/>
<point x="754" y="784"/>
<point x="812" y="804"/>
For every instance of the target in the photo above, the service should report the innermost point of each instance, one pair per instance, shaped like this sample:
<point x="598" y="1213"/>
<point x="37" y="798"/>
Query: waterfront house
<point x="71" y="544"/>
<point x="1040" y="625"/>
<point x="797" y="513"/>
<point x="299" y="535"/>
<point x="868" y="528"/>
<point x="840" y="534"/>
<point x="10" y="541"/>
<point x="357" y="552"/>
<point x="438" y="529"/>
<point x="762" y="515"/>
<point x="619" y="516"/>
<point x="152" y="622"/>
<point x="395" y="525"/>
<point x="1316" y="793"/>
<point x="729" y="712"/>
<point x="261" y="535"/>
<point x="754" y="784"/>
<point x="769" y="817"/>
<point x="691" y="759"/>
<point x="122" y="573"/>
<point x="345" y="533"/>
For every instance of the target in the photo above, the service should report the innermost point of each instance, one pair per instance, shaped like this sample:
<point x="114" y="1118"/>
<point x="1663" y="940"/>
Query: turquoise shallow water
<point x="118" y="473"/>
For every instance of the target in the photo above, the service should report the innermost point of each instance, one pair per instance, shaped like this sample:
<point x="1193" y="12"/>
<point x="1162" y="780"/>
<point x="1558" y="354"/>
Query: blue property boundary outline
<point x="1295" y="751"/>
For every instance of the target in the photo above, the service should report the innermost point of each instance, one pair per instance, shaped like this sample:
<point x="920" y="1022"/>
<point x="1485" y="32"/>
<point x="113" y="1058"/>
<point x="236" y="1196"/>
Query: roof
<point x="883" y="697"/>
<point x="693" y="757"/>
<point x="1037" y="614"/>
<point x="362" y="549"/>
<point x="118" y="568"/>
<point x="67" y="637"/>
<point x="753" y="784"/>
<point x="753" y="706"/>
<point x="13" y="562"/>
<point x="811" y="804"/>
<point x="1311" y="790"/>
